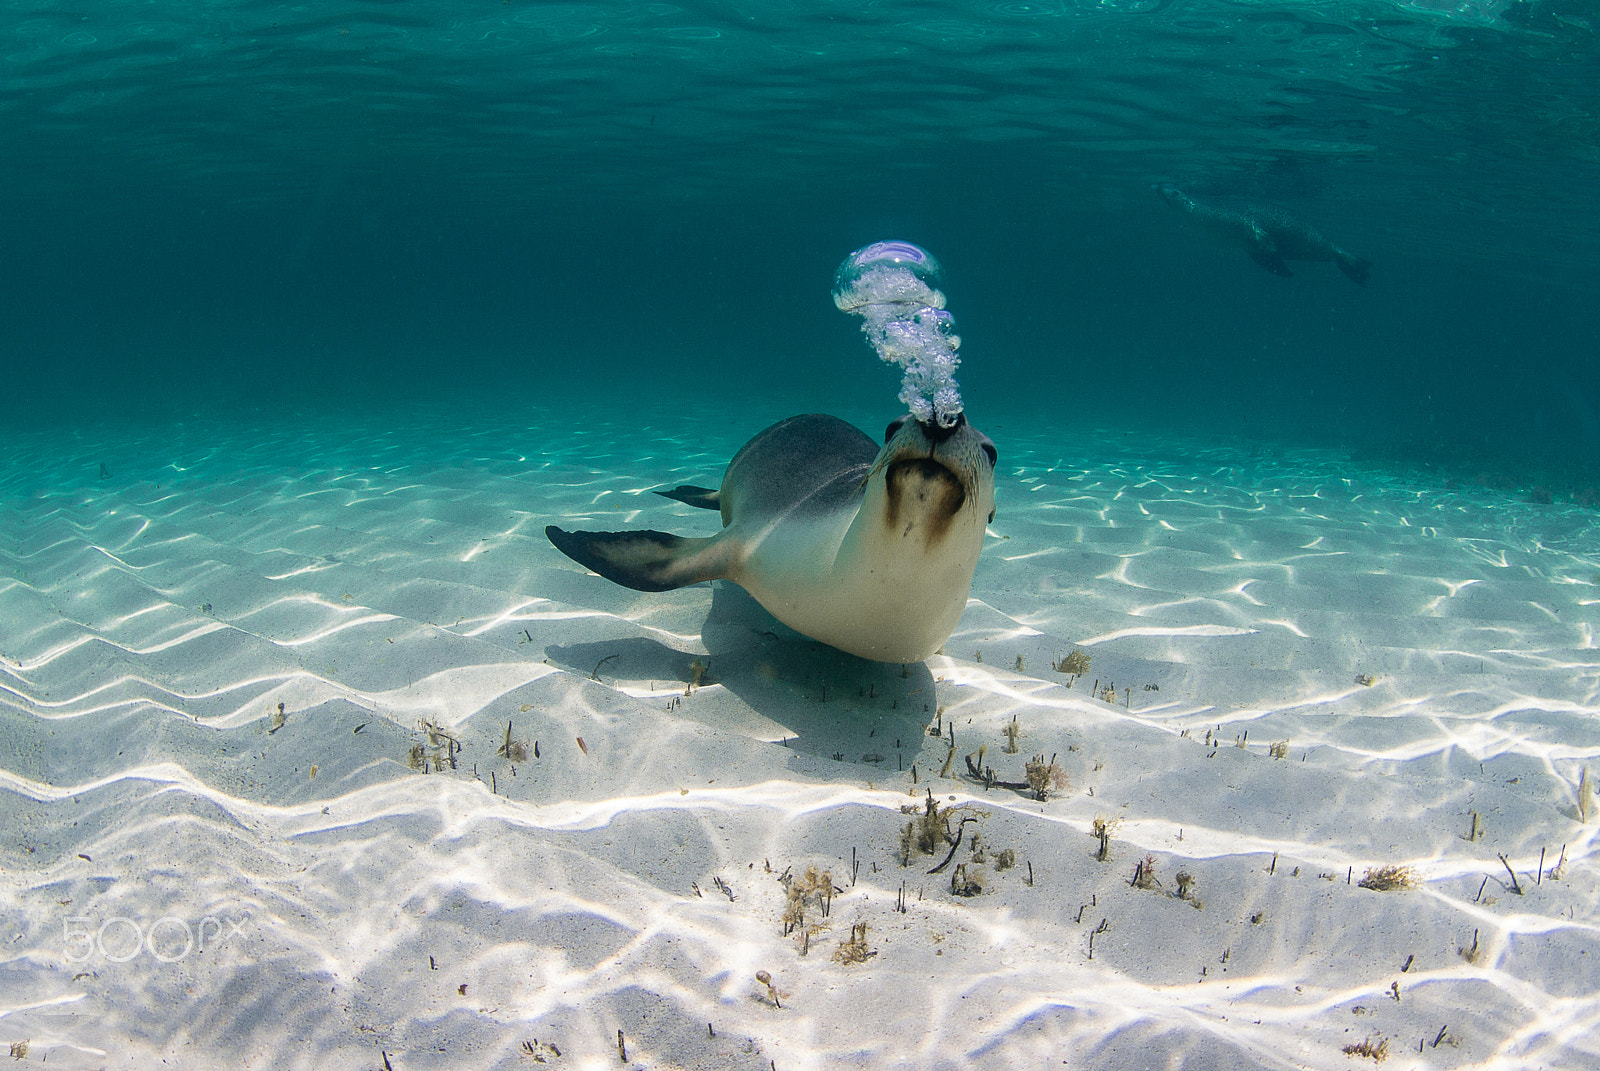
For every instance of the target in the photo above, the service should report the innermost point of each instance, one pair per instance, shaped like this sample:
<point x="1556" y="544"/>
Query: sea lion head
<point x="937" y="481"/>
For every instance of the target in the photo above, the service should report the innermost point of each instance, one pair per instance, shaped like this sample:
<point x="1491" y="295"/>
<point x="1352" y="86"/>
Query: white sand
<point x="375" y="574"/>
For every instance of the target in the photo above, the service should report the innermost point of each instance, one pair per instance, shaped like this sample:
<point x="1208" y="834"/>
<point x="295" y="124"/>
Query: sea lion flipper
<point x="644" y="561"/>
<point x="1270" y="261"/>
<point x="1358" y="268"/>
<point x="703" y="497"/>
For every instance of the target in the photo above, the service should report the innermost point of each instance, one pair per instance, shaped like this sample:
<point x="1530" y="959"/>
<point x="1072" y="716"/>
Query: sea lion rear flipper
<point x="1358" y="268"/>
<point x="703" y="497"/>
<point x="1270" y="261"/>
<point x="644" y="561"/>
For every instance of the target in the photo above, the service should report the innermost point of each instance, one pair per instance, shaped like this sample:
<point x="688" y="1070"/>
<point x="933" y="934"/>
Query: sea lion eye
<point x="993" y="454"/>
<point x="894" y="427"/>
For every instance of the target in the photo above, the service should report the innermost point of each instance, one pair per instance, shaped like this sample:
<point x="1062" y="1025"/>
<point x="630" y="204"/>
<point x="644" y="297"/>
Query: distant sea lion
<point x="1269" y="234"/>
<point x="867" y="550"/>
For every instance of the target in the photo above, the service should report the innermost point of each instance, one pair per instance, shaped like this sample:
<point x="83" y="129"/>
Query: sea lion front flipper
<point x="1270" y="261"/>
<point x="703" y="497"/>
<point x="1358" y="268"/>
<point x="645" y="561"/>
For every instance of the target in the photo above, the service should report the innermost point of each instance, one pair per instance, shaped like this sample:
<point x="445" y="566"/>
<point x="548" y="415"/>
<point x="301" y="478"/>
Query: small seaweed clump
<point x="926" y="833"/>
<point x="1045" y="777"/>
<point x="966" y="882"/>
<point x="854" y="950"/>
<point x="1375" y="1047"/>
<point x="1473" y="955"/>
<point x="697" y="675"/>
<point x="1388" y="878"/>
<point x="1144" y="874"/>
<point x="441" y="750"/>
<point x="814" y="890"/>
<point x="515" y="750"/>
<point x="1076" y="663"/>
<point x="1102" y="832"/>
<point x="1011" y="732"/>
<point x="542" y="1052"/>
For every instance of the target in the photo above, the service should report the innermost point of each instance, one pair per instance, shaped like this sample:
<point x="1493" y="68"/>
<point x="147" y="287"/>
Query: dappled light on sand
<point x="1236" y="759"/>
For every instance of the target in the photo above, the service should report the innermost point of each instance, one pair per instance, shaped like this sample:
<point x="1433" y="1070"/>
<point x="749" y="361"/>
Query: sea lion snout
<point x="932" y="473"/>
<point x="937" y="433"/>
<point x="934" y="435"/>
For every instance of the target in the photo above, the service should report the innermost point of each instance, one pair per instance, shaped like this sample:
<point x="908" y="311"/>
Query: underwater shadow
<point x="832" y="704"/>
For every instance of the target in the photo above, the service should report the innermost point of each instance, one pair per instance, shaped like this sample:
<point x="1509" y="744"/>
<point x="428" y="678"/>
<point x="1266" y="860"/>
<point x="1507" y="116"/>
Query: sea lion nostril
<point x="937" y="434"/>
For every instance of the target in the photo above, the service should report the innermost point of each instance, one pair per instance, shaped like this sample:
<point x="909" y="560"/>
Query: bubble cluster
<point x="890" y="285"/>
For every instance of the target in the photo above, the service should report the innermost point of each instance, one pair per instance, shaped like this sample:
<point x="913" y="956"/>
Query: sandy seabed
<point x="257" y="807"/>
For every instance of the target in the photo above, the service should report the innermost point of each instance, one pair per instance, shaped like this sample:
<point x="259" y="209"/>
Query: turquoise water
<point x="311" y="207"/>
<point x="313" y="317"/>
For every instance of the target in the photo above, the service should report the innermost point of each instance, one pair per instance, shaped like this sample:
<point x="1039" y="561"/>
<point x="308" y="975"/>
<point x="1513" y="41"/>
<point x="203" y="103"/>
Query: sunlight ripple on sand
<point x="325" y="705"/>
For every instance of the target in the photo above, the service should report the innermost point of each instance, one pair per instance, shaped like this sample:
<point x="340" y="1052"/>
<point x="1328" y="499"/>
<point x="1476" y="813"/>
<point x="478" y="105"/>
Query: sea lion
<point x="867" y="550"/>
<point x="1269" y="234"/>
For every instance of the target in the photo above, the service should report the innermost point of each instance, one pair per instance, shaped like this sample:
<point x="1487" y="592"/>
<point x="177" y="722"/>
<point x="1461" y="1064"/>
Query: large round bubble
<point x="890" y="285"/>
<point x="871" y="274"/>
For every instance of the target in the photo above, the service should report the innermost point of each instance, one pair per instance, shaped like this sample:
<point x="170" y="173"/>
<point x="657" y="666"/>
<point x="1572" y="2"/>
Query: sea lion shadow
<point x="823" y="701"/>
